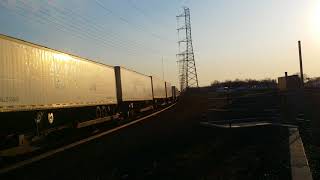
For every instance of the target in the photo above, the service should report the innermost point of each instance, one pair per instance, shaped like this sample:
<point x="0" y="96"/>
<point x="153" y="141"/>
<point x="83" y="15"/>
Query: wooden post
<point x="301" y="68"/>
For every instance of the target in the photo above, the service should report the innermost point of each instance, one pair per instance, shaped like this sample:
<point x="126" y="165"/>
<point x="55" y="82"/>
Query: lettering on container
<point x="9" y="99"/>
<point x="59" y="84"/>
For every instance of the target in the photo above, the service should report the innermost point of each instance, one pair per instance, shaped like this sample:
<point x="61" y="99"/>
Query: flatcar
<point x="42" y="90"/>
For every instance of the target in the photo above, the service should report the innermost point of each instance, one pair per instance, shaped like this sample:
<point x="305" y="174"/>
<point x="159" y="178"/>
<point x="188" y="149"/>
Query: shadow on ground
<point x="173" y="145"/>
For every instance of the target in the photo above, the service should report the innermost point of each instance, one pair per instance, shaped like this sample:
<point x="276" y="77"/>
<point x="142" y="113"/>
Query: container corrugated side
<point x="135" y="86"/>
<point x="159" y="88"/>
<point x="169" y="89"/>
<point x="34" y="77"/>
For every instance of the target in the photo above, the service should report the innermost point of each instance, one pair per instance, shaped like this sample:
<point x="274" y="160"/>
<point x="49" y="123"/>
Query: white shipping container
<point x="135" y="86"/>
<point x="159" y="88"/>
<point x="35" y="77"/>
<point x="169" y="90"/>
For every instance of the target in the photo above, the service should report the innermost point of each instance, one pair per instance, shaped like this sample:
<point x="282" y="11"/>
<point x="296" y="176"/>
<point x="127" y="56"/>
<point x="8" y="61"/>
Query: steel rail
<point x="72" y="145"/>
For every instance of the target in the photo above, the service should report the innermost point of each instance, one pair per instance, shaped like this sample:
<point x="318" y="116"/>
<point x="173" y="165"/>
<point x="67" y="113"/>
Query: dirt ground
<point x="173" y="145"/>
<point x="310" y="130"/>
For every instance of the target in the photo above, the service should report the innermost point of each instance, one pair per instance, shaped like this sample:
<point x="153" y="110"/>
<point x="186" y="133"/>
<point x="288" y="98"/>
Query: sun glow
<point x="62" y="57"/>
<point x="315" y="21"/>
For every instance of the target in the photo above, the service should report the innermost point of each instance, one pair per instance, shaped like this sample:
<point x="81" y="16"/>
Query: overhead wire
<point x="138" y="27"/>
<point x="145" y="14"/>
<point x="41" y="21"/>
<point x="71" y="28"/>
<point x="55" y="21"/>
<point x="100" y="29"/>
<point x="76" y="28"/>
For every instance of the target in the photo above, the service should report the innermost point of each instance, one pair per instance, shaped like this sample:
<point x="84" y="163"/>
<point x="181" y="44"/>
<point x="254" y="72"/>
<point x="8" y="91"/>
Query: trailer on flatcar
<point x="159" y="91"/>
<point x="44" y="90"/>
<point x="169" y="93"/>
<point x="41" y="88"/>
<point x="134" y="91"/>
<point x="175" y="93"/>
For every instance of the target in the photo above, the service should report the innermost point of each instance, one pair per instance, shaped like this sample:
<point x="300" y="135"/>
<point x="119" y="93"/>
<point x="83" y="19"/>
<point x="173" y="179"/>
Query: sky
<point x="231" y="38"/>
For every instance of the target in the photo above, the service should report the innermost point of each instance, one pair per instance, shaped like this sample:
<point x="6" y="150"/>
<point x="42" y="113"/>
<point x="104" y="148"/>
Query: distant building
<point x="289" y="82"/>
<point x="313" y="83"/>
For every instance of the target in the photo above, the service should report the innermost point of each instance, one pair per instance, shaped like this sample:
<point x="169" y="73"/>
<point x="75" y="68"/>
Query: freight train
<point x="43" y="90"/>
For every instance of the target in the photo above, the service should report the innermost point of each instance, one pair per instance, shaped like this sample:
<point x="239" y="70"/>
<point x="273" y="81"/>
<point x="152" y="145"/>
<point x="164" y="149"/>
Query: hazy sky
<point x="232" y="38"/>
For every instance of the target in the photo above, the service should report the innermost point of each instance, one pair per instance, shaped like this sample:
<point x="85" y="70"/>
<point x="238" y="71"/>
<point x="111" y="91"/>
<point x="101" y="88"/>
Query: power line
<point x="98" y="27"/>
<point x="79" y="26"/>
<point x="80" y="23"/>
<point x="74" y="31"/>
<point x="141" y="28"/>
<point x="43" y="22"/>
<point x="145" y="14"/>
<point x="71" y="28"/>
<point x="43" y="17"/>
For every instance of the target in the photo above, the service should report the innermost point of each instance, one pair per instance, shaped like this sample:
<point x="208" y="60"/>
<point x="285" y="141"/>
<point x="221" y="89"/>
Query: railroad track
<point x="49" y="153"/>
<point x="257" y="108"/>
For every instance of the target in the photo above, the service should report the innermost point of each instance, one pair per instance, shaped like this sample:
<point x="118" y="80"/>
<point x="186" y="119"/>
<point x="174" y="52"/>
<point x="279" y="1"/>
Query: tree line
<point x="247" y="83"/>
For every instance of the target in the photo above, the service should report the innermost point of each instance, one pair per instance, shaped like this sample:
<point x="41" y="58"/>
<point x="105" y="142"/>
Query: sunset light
<point x="160" y="89"/>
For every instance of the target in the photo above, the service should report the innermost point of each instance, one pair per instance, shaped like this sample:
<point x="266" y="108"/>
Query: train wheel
<point x="131" y="110"/>
<point x="109" y="111"/>
<point x="50" y="118"/>
<point x="38" y="121"/>
<point x="104" y="111"/>
<point x="39" y="117"/>
<point x="98" y="112"/>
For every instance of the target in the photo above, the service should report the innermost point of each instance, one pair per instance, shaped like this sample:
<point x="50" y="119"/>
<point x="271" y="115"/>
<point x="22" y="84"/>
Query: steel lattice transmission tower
<point x="187" y="66"/>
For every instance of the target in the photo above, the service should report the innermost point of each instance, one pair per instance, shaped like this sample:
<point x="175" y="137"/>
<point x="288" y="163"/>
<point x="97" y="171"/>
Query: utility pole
<point x="162" y="68"/>
<point x="301" y="67"/>
<point x="187" y="67"/>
